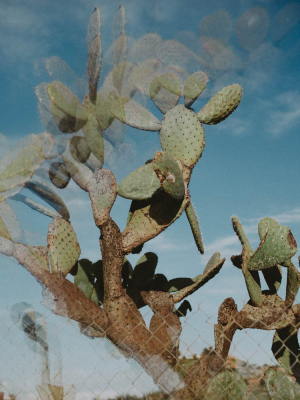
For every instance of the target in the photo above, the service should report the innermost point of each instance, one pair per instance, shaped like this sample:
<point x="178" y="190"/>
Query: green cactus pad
<point x="169" y="174"/>
<point x="78" y="172"/>
<point x="102" y="188"/>
<point x="285" y="348"/>
<point x="198" y="281"/>
<point x="66" y="101"/>
<point x="194" y="224"/>
<point x="104" y="114"/>
<point x="194" y="86"/>
<point x="141" y="184"/>
<point x="292" y="285"/>
<point x="94" y="52"/>
<point x="212" y="262"/>
<point x="145" y="267"/>
<point x="182" y="135"/>
<point x="277" y="246"/>
<point x="253" y="287"/>
<point x="59" y="175"/>
<point x="20" y="163"/>
<point x="127" y="271"/>
<point x="221" y="105"/>
<point x="64" y="122"/>
<point x="165" y="91"/>
<point x="152" y="217"/>
<point x="133" y="114"/>
<point x="94" y="66"/>
<point x="226" y="386"/>
<point x="34" y="205"/>
<point x="94" y="138"/>
<point x="238" y="229"/>
<point x="63" y="246"/>
<point x="79" y="149"/>
<point x="46" y="193"/>
<point x="273" y="277"/>
<point x="176" y="284"/>
<point x="280" y="386"/>
<point x="83" y="279"/>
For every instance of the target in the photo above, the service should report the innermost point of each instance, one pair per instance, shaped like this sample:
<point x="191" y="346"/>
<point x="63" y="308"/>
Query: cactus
<point x="279" y="386"/>
<point x="226" y="386"/>
<point x="106" y="296"/>
<point x="63" y="246"/>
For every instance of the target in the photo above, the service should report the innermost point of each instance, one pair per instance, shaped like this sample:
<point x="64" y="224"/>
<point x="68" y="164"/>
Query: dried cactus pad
<point x="169" y="173"/>
<point x="182" y="135"/>
<point x="133" y="114"/>
<point x="63" y="246"/>
<point x="102" y="188"/>
<point x="279" y="386"/>
<point x="221" y="105"/>
<point x="165" y="91"/>
<point x="141" y="184"/>
<point x="194" y="86"/>
<point x="277" y="246"/>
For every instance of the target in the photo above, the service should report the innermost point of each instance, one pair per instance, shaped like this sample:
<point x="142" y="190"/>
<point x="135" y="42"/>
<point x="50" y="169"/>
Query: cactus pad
<point x="133" y="114"/>
<point x="102" y="188"/>
<point x="83" y="279"/>
<point x="66" y="101"/>
<point x="182" y="135"/>
<point x="214" y="260"/>
<point x="145" y="267"/>
<point x="226" y="386"/>
<point x="59" y="175"/>
<point x="94" y="52"/>
<point x="152" y="217"/>
<point x="94" y="138"/>
<point x="221" y="105"/>
<point x="169" y="173"/>
<point x="165" y="91"/>
<point x="46" y="193"/>
<point x="194" y="86"/>
<point x="279" y="385"/>
<point x="194" y="224"/>
<point x="78" y="172"/>
<point x="63" y="246"/>
<point x="285" y="348"/>
<point x="79" y="149"/>
<point x="277" y="246"/>
<point x="141" y="184"/>
<point x="20" y="163"/>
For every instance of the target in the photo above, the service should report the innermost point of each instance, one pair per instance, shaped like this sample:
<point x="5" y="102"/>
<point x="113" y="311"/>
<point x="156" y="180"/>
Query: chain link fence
<point x="46" y="357"/>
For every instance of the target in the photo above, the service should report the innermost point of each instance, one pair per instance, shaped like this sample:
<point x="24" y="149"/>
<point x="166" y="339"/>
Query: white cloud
<point x="283" y="113"/>
<point x="163" y="243"/>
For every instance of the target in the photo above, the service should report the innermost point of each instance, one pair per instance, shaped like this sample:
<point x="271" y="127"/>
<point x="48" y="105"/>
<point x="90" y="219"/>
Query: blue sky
<point x="249" y="168"/>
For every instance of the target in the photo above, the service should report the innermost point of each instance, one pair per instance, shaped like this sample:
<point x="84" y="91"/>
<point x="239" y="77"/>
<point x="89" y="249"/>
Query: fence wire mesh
<point x="46" y="357"/>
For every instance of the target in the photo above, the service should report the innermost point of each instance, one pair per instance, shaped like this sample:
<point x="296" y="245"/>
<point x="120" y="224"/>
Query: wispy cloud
<point x="283" y="113"/>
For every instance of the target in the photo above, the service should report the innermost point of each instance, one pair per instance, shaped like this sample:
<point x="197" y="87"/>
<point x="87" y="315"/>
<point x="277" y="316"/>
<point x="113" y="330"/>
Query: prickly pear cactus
<point x="226" y="386"/>
<point x="280" y="386"/>
<point x="182" y="139"/>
